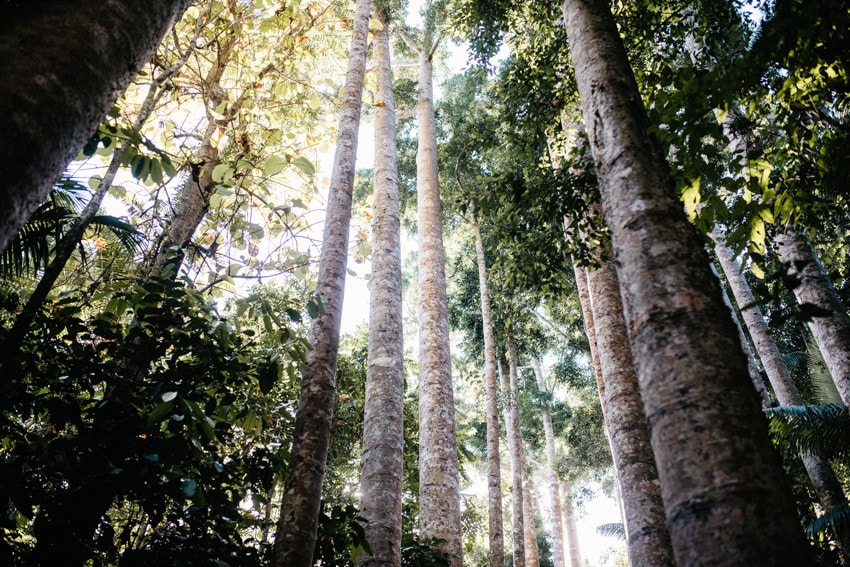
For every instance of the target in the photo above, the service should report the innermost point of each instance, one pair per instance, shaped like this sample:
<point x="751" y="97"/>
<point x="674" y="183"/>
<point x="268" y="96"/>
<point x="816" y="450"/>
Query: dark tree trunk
<point x="64" y="65"/>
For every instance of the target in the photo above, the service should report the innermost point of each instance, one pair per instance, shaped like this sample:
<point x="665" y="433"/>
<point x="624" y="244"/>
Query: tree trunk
<point x="532" y="555"/>
<point x="551" y="472"/>
<point x="494" y="475"/>
<point x="820" y="472"/>
<point x="724" y="492"/>
<point x="832" y="332"/>
<point x="570" y="525"/>
<point x="515" y="449"/>
<point x="647" y="538"/>
<point x="69" y="62"/>
<point x="383" y="431"/>
<point x="439" y="482"/>
<point x="296" y="531"/>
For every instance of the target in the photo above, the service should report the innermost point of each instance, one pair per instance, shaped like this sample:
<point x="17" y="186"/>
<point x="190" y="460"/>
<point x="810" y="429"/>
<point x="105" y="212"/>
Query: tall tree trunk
<point x="494" y="465"/>
<point x="820" y="472"/>
<point x="295" y="537"/>
<point x="532" y="554"/>
<point x="515" y="449"/>
<point x="570" y="525"/>
<point x="832" y="331"/>
<point x="551" y="472"/>
<point x="439" y="481"/>
<point x="647" y="538"/>
<point x="724" y="492"/>
<point x="66" y="64"/>
<point x="383" y="431"/>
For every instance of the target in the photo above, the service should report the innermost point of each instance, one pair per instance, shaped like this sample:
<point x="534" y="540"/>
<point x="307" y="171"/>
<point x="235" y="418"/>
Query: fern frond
<point x="832" y="522"/>
<point x="822" y="382"/>
<point x="820" y="430"/>
<point x="617" y="530"/>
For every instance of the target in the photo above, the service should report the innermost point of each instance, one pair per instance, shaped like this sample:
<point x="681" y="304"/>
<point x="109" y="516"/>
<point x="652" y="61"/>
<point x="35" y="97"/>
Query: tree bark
<point x="532" y="554"/>
<point x="439" y="481"/>
<point x="820" y="472"/>
<point x="832" y="332"/>
<point x="383" y="427"/>
<point x="551" y="472"/>
<point x="647" y="538"/>
<point x="515" y="449"/>
<point x="570" y="525"/>
<point x="726" y="499"/>
<point x="69" y="62"/>
<point x="296" y="531"/>
<point x="494" y="465"/>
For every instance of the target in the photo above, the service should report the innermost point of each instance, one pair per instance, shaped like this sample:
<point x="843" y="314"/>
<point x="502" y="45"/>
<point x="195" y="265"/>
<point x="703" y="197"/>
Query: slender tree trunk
<point x="724" y="492"/>
<point x="439" y="482"/>
<point x="515" y="449"/>
<point x="66" y="63"/>
<point x="832" y="332"/>
<point x="551" y="472"/>
<point x="494" y="475"/>
<point x="570" y="526"/>
<point x="383" y="431"/>
<point x="296" y="531"/>
<point x="820" y="472"/>
<point x="532" y="554"/>
<point x="647" y="537"/>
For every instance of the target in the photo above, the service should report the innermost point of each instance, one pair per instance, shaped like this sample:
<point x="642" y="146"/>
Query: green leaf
<point x="273" y="165"/>
<point x="222" y="172"/>
<point x="304" y="165"/>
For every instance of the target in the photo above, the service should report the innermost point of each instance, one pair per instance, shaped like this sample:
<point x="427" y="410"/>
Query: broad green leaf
<point x="273" y="165"/>
<point x="222" y="172"/>
<point x="304" y="165"/>
<point x="691" y="198"/>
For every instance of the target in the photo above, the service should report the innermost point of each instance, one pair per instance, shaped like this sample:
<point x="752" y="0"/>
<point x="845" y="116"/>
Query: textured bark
<point x="439" y="482"/>
<point x="570" y="526"/>
<point x="383" y="431"/>
<point x="551" y="473"/>
<point x="515" y="449"/>
<point x="296" y="531"/>
<point x="647" y="538"/>
<point x="725" y="496"/>
<point x="831" y="332"/>
<point x="820" y="472"/>
<point x="494" y="465"/>
<point x="532" y="555"/>
<point x="70" y="61"/>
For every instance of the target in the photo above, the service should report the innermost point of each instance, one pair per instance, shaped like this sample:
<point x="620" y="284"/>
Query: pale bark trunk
<point x="724" y="491"/>
<point x="439" y="482"/>
<point x="494" y="475"/>
<point x="571" y="527"/>
<point x="532" y="555"/>
<point x="296" y="531"/>
<point x="551" y="473"/>
<point x="647" y="538"/>
<point x="820" y="472"/>
<point x="832" y="332"/>
<point x="515" y="448"/>
<point x="383" y="431"/>
<point x="70" y="61"/>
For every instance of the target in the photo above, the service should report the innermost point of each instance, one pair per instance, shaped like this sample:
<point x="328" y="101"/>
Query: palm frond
<point x="822" y="382"/>
<point x="128" y="235"/>
<point x="821" y="430"/>
<point x="832" y="522"/>
<point x="31" y="248"/>
<point x="617" y="530"/>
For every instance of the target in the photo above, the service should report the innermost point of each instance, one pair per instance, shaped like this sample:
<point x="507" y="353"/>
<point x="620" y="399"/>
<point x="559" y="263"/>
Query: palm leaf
<point x="617" y="530"/>
<point x="821" y="430"/>
<point x="128" y="235"/>
<point x="822" y="382"/>
<point x="833" y="521"/>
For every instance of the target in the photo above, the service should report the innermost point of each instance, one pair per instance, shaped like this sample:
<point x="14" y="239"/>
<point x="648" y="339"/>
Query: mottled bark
<point x="832" y="331"/>
<point x="532" y="554"/>
<point x="439" y="482"/>
<point x="820" y="472"/>
<point x="515" y="450"/>
<point x="725" y="495"/>
<point x="647" y="538"/>
<point x="494" y="465"/>
<point x="383" y="431"/>
<point x="551" y="473"/>
<point x="570" y="526"/>
<point x="296" y="531"/>
<point x="65" y="65"/>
